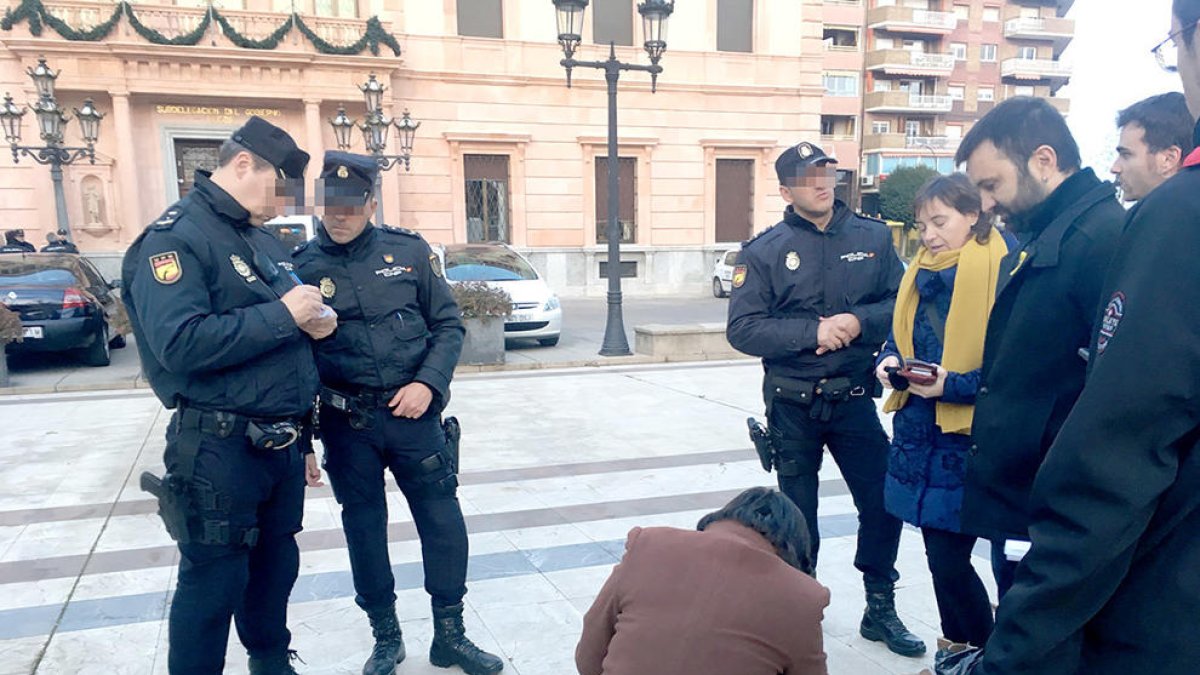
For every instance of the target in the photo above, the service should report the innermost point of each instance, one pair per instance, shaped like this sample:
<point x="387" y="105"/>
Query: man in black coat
<point x="385" y="379"/>
<point x="1110" y="585"/>
<point x="813" y="297"/>
<point x="1027" y="167"/>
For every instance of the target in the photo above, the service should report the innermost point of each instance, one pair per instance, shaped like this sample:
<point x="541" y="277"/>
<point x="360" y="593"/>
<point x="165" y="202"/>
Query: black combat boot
<point x="880" y="624"/>
<point x="452" y="648"/>
<point x="274" y="665"/>
<point x="389" y="643"/>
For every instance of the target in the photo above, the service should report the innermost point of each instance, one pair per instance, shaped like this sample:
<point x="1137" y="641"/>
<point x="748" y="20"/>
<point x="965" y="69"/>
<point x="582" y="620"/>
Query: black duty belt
<point x="271" y="433"/>
<point x="362" y="399"/>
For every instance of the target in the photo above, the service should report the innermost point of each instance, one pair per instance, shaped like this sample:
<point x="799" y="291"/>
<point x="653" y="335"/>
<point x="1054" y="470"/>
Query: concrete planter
<point x="484" y="342"/>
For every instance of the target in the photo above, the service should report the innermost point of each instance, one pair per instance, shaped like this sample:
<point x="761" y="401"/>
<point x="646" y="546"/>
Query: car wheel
<point x="548" y="342"/>
<point x="718" y="289"/>
<point x="117" y="343"/>
<point x="98" y="354"/>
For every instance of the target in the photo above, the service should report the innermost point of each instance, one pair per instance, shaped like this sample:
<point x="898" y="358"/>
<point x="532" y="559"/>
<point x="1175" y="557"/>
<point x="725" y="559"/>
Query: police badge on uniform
<point x="328" y="289"/>
<point x="389" y="258"/>
<point x="166" y="267"/>
<point x="343" y="172"/>
<point x="242" y="268"/>
<point x="793" y="261"/>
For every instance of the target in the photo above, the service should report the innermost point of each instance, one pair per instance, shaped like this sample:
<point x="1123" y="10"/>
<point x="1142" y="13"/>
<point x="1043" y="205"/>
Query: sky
<point x="1113" y="67"/>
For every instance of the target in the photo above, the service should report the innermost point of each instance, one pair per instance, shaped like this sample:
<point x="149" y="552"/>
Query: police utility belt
<point x="359" y="406"/>
<point x="819" y="396"/>
<point x="185" y="502"/>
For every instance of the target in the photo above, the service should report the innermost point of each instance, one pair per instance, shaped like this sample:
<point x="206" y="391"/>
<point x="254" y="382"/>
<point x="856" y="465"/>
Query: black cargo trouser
<point x="252" y="489"/>
<point x="860" y="447"/>
<point x="413" y="450"/>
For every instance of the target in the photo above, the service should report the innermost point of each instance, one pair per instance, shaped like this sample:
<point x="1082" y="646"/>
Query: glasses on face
<point x="1166" y="53"/>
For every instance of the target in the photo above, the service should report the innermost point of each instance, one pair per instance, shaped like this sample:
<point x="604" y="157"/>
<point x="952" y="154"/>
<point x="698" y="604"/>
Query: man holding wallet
<point x="813" y="297"/>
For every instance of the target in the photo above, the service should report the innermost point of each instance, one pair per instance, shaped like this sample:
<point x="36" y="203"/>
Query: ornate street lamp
<point x="374" y="128"/>
<point x="654" y="14"/>
<point x="51" y="122"/>
<point x="342" y="128"/>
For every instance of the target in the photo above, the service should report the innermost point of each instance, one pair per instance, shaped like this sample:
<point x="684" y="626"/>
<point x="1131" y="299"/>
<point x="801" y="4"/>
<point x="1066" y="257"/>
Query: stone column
<point x="314" y="145"/>
<point x="132" y="220"/>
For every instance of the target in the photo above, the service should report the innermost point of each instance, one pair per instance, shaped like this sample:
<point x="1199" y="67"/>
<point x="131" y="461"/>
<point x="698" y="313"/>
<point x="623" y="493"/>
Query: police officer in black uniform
<point x="813" y="296"/>
<point x="57" y="243"/>
<point x="225" y="335"/>
<point x="385" y="379"/>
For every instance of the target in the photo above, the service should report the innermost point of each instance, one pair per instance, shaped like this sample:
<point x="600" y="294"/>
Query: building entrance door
<point x="192" y="154"/>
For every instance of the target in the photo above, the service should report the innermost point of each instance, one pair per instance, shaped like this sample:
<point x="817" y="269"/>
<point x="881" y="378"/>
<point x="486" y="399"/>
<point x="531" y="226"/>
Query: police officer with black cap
<point x="385" y="379"/>
<point x="813" y="297"/>
<point x="225" y="335"/>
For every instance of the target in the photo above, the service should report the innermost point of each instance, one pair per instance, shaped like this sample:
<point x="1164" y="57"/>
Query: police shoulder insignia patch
<point x="435" y="263"/>
<point x="166" y="267"/>
<point x="401" y="230"/>
<point x="739" y="276"/>
<point x="751" y="239"/>
<point x="1113" y="313"/>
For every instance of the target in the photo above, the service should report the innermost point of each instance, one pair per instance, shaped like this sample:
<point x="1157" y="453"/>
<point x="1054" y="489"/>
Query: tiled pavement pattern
<point x="556" y="468"/>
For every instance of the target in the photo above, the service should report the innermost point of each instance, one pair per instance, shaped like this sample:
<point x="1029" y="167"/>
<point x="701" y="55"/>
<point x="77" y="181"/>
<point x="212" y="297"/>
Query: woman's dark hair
<point x="959" y="193"/>
<point x="774" y="516"/>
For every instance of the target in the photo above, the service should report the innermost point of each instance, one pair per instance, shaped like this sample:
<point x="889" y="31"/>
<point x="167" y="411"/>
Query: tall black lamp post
<point x="52" y="121"/>
<point x="570" y="26"/>
<point x="375" y="134"/>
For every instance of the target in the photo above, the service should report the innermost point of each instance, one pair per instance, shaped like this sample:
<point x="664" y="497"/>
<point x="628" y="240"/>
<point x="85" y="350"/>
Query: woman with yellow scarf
<point x="941" y="315"/>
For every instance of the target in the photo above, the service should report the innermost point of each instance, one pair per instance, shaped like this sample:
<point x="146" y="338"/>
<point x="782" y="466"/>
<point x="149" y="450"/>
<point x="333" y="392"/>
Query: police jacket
<point x="1110" y="585"/>
<point x="1032" y="373"/>
<point x="794" y="274"/>
<point x="397" y="322"/>
<point x="203" y="287"/>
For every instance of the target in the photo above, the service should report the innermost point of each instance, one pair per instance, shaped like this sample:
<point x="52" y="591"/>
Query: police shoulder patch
<point x="739" y="276"/>
<point x="166" y="267"/>
<point x="435" y="263"/>
<point x="1113" y="313"/>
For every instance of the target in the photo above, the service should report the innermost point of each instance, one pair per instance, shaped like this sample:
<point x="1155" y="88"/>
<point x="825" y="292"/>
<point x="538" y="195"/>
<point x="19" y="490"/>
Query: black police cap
<point x="793" y="161"/>
<point x="348" y="178"/>
<point x="273" y="145"/>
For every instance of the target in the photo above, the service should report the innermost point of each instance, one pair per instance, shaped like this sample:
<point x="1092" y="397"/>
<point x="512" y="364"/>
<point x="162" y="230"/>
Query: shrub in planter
<point x="10" y="331"/>
<point x="484" y="309"/>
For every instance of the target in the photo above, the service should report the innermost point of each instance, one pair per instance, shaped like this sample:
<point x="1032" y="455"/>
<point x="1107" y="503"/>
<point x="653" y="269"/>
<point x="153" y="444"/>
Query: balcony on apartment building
<point x="1052" y="29"/>
<point x="1035" y="69"/>
<point x="906" y="62"/>
<point x="934" y="144"/>
<point x="911" y="20"/>
<point x="1061" y="6"/>
<point x="905" y="102"/>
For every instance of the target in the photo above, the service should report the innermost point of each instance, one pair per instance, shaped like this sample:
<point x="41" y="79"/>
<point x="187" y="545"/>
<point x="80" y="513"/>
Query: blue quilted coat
<point x="926" y="468"/>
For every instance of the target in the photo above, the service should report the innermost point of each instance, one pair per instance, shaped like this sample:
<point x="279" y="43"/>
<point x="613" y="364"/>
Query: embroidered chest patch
<point x="1113" y="313"/>
<point x="858" y="256"/>
<point x="389" y="272"/>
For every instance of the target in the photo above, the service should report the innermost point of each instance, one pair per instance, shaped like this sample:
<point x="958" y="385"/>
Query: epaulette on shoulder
<point x="758" y="236"/>
<point x="168" y="219"/>
<point x="300" y="248"/>
<point x="864" y="216"/>
<point x="401" y="231"/>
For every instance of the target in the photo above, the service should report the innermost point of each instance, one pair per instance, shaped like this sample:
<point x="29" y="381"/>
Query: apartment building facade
<point x="930" y="68"/>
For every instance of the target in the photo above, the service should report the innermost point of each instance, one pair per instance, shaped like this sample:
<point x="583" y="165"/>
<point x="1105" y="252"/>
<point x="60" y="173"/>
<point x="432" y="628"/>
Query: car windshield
<point x="37" y="278"/>
<point x="487" y="263"/>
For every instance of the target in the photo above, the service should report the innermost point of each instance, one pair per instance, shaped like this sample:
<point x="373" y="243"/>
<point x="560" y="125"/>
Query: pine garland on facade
<point x="37" y="16"/>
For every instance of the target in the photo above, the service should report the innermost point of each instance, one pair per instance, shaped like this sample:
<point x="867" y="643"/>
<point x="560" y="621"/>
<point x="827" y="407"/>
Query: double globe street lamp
<point x="375" y="128"/>
<point x="52" y="122"/>
<point x="570" y="27"/>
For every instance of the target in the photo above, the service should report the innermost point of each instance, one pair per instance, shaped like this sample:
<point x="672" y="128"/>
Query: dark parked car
<point x="64" y="303"/>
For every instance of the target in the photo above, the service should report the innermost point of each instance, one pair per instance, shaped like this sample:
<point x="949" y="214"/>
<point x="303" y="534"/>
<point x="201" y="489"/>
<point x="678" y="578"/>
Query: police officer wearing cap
<point x="385" y="378"/>
<point x="225" y="337"/>
<point x="813" y="297"/>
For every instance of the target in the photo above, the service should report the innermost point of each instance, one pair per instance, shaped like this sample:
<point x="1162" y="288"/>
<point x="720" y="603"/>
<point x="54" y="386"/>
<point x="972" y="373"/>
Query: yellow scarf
<point x="971" y="302"/>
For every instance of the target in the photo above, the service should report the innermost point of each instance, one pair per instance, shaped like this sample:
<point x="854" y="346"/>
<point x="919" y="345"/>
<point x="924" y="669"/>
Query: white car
<point x="722" y="275"/>
<point x="536" y="313"/>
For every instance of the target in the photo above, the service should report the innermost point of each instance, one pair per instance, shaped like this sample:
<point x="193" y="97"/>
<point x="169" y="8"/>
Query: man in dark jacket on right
<point x="1026" y="164"/>
<point x="1110" y="586"/>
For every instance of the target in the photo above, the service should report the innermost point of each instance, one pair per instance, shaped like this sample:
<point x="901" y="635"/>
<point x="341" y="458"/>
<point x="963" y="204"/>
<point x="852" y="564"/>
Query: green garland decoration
<point x="153" y="36"/>
<point x="35" y="14"/>
<point x="270" y="42"/>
